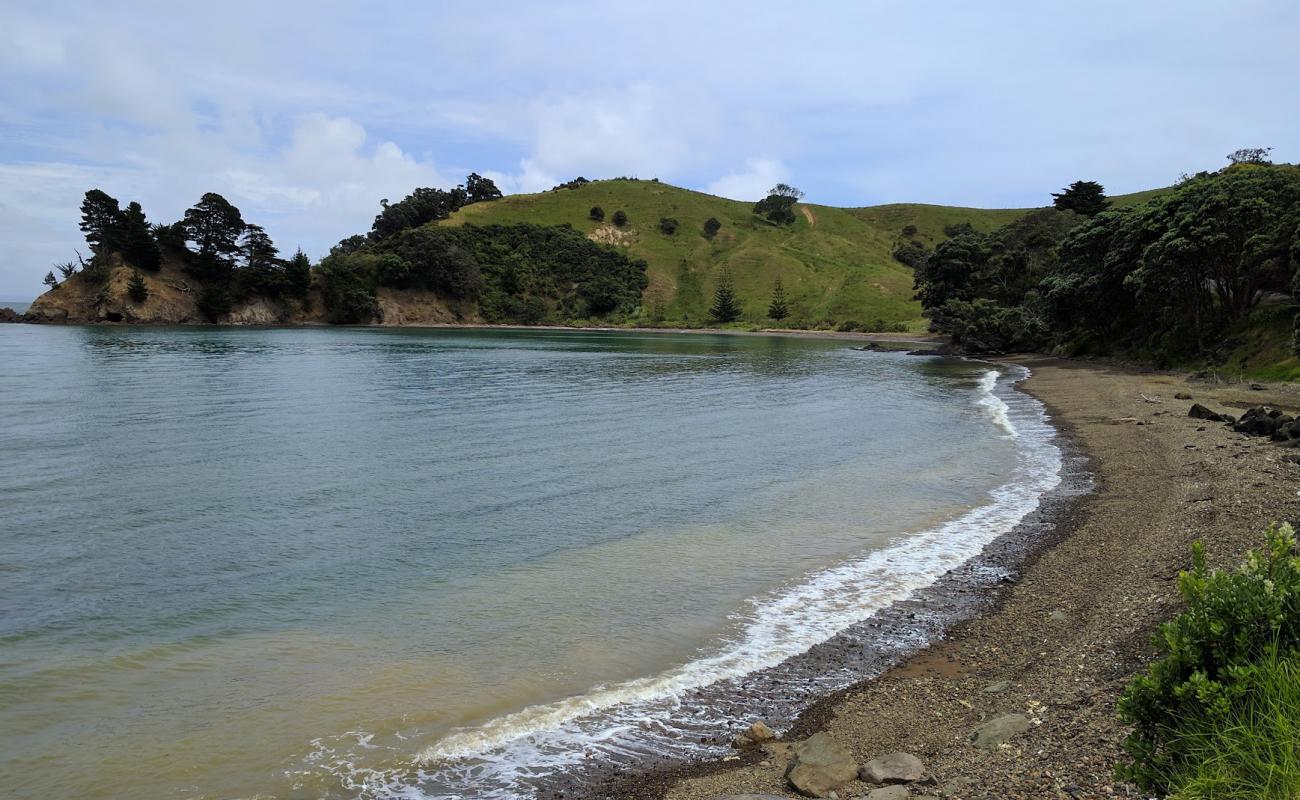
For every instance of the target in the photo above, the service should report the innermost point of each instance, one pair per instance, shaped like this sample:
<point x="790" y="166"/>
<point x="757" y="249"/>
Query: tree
<point x="214" y="226"/>
<point x="257" y="249"/>
<point x="711" y="227"/>
<point x="778" y="206"/>
<point x="597" y="213"/>
<point x="667" y="226"/>
<point x="620" y="218"/>
<point x="725" y="307"/>
<point x="50" y="280"/>
<point x="421" y="206"/>
<point x="262" y="272"/>
<point x="778" y="310"/>
<point x="170" y="236"/>
<point x="1250" y="155"/>
<point x="101" y="220"/>
<point x="479" y="189"/>
<point x="139" y="247"/>
<point x="298" y="274"/>
<point x="68" y="268"/>
<point x="136" y="288"/>
<point x="1082" y="197"/>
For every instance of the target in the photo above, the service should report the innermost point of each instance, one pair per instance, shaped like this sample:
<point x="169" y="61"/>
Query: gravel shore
<point x="1060" y="642"/>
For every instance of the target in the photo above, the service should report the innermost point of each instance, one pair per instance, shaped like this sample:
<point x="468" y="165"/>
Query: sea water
<point x="434" y="563"/>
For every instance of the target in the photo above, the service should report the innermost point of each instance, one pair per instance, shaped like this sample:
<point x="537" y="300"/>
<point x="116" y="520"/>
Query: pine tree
<point x="101" y="221"/>
<point x="298" y="274"/>
<point x="725" y="307"/>
<point x="136" y="288"/>
<point x="214" y="225"/>
<point x="50" y="280"/>
<point x="138" y="245"/>
<point x="1083" y="197"/>
<point x="778" y="310"/>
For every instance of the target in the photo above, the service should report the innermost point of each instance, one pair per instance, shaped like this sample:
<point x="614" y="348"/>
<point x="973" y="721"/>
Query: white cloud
<point x="752" y="183"/>
<point x="305" y="120"/>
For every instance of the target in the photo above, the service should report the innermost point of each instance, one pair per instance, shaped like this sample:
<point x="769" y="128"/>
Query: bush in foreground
<point x="1211" y="708"/>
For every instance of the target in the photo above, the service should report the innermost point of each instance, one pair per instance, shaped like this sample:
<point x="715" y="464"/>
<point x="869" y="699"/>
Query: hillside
<point x="835" y="263"/>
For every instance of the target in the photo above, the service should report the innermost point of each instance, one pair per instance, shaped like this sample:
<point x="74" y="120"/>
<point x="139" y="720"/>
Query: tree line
<point x="227" y="257"/>
<point x="1163" y="280"/>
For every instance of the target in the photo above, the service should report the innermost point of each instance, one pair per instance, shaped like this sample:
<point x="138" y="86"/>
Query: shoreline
<point x="1060" y="641"/>
<point x="893" y="638"/>
<point x="858" y="336"/>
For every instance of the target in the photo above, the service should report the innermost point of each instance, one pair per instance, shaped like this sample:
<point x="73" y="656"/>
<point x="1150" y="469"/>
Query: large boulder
<point x="820" y="766"/>
<point x="1258" y="421"/>
<point x="999" y="730"/>
<point x="893" y="768"/>
<point x="9" y="315"/>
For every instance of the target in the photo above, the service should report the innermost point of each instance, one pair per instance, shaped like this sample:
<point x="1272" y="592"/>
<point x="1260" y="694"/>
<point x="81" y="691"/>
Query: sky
<point x="306" y="114"/>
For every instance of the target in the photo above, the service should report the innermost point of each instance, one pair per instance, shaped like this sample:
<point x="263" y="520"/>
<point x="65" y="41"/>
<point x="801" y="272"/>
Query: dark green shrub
<point x="909" y="231"/>
<point x="910" y="253"/>
<point x="667" y="226"/>
<point x="214" y="302"/>
<point x="1233" y="620"/>
<point x="711" y="227"/>
<point x="848" y="326"/>
<point x="597" y="213"/>
<point x="136" y="288"/>
<point x="620" y="218"/>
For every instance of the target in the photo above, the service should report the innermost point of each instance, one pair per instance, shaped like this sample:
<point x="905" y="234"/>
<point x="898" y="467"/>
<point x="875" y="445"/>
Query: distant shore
<point x="901" y="340"/>
<point x="1060" y="641"/>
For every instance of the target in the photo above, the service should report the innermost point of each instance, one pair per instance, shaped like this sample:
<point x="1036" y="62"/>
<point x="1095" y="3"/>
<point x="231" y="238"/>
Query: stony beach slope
<point x="1020" y="702"/>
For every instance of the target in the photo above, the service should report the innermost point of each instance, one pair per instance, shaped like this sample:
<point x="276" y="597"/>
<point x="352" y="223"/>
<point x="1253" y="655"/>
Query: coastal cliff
<point x="173" y="299"/>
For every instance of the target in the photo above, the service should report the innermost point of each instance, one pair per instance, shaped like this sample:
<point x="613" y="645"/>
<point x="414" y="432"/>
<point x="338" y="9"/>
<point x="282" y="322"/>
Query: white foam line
<point x="543" y="739"/>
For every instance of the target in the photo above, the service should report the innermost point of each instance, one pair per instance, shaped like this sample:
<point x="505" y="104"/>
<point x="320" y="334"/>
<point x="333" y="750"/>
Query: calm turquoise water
<point x="357" y="562"/>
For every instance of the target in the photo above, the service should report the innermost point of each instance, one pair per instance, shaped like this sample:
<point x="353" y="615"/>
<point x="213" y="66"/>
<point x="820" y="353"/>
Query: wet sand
<point x="1067" y="632"/>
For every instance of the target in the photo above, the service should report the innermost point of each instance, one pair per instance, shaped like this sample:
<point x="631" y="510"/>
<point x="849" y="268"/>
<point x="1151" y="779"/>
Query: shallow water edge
<point x="892" y="636"/>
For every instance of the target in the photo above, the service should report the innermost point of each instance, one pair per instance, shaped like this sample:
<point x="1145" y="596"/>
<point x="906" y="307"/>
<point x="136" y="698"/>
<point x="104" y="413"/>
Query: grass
<point x="1255" y="751"/>
<point x="836" y="263"/>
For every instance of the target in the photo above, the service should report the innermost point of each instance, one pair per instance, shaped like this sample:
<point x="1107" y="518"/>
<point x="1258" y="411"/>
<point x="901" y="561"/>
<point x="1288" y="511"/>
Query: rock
<point x="747" y="797"/>
<point x="1182" y="396"/>
<point x="9" y="315"/>
<point x="820" y="765"/>
<point x="997" y="687"/>
<point x="893" y="768"/>
<point x="1287" y="429"/>
<point x="955" y="788"/>
<point x="754" y="734"/>
<point x="1059" y="616"/>
<point x="1258" y="387"/>
<point x="1199" y="411"/>
<point x="1257" y="421"/>
<point x="889" y="793"/>
<point x="999" y="730"/>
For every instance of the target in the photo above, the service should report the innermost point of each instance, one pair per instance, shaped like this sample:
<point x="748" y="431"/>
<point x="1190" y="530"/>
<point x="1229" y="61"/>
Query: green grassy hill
<point x="835" y="262"/>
